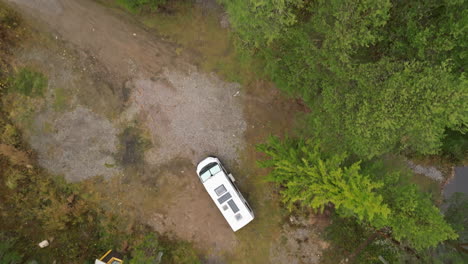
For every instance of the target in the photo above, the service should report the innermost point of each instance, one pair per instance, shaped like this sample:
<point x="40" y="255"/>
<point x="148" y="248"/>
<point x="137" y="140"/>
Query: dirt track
<point x="115" y="74"/>
<point x="120" y="45"/>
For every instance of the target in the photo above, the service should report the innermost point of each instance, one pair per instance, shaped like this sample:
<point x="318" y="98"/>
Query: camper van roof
<point x="225" y="195"/>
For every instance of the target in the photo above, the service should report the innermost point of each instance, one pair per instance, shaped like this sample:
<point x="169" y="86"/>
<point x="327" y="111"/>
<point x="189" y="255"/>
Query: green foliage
<point x="428" y="30"/>
<point x="147" y="251"/>
<point x="260" y="22"/>
<point x="8" y="255"/>
<point x="36" y="205"/>
<point x="379" y="76"/>
<point x="455" y="145"/>
<point x="138" y="5"/>
<point x="414" y="220"/>
<point x="316" y="181"/>
<point x="153" y="250"/>
<point x="58" y="208"/>
<point x="393" y="107"/>
<point x="182" y="252"/>
<point x="346" y="235"/>
<point x="28" y="82"/>
<point x="10" y="135"/>
<point x="457" y="216"/>
<point x="379" y="197"/>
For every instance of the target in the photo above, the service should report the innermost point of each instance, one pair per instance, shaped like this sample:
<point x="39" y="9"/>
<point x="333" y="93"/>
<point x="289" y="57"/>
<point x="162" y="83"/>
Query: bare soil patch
<point x="15" y="156"/>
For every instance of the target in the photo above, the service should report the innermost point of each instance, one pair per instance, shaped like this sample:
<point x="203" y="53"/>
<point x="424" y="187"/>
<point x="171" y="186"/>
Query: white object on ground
<point x="44" y="244"/>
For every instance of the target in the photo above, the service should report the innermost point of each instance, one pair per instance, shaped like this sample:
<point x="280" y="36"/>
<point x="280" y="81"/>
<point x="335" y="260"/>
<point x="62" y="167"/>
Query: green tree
<point x="393" y="107"/>
<point x="414" y="220"/>
<point x="316" y="181"/>
<point x="259" y="22"/>
<point x="452" y="251"/>
<point x="374" y="196"/>
<point x="347" y="236"/>
<point x="379" y="76"/>
<point x="432" y="31"/>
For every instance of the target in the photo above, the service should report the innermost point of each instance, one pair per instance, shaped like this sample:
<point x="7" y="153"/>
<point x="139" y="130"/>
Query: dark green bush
<point x="455" y="145"/>
<point x="346" y="235"/>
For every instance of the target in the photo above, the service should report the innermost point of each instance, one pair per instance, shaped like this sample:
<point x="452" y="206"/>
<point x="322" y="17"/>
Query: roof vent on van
<point x="238" y="217"/>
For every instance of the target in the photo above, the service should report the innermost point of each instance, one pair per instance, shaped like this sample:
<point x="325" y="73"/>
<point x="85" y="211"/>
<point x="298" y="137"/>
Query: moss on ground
<point x="28" y="82"/>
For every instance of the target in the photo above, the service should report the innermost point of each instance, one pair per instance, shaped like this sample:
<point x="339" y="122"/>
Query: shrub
<point x="153" y="250"/>
<point x="10" y="135"/>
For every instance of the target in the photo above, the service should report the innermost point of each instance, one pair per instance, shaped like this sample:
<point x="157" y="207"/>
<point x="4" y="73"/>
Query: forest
<point x="381" y="83"/>
<point x="382" y="79"/>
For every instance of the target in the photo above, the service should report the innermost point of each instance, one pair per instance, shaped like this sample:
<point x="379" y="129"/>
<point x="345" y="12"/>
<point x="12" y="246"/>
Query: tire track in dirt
<point x="112" y="38"/>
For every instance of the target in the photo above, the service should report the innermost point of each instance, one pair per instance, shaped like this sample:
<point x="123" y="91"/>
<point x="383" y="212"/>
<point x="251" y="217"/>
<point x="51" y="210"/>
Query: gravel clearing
<point x="190" y="115"/>
<point x="78" y="138"/>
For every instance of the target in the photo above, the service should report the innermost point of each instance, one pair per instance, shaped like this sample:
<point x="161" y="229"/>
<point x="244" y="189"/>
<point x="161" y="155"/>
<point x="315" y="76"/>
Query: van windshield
<point x="209" y="170"/>
<point x="205" y="176"/>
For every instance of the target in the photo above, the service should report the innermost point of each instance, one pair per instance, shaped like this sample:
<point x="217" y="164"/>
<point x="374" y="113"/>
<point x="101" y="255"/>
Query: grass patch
<point x="62" y="99"/>
<point x="28" y="82"/>
<point x="199" y="33"/>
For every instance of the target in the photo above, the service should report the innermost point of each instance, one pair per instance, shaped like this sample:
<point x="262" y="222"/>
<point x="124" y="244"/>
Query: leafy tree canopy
<point x="259" y="22"/>
<point x="393" y="106"/>
<point x="379" y="76"/>
<point x="316" y="181"/>
<point x="374" y="196"/>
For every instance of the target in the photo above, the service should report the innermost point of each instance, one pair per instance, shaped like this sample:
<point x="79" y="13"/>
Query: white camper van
<point x="220" y="186"/>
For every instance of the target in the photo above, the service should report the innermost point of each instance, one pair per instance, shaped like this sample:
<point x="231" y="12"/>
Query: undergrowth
<point x="135" y="6"/>
<point x="28" y="82"/>
<point x="36" y="204"/>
